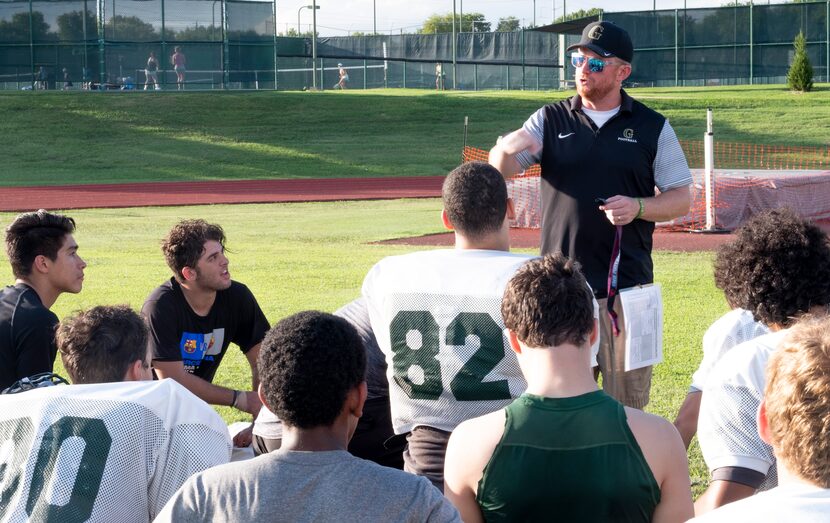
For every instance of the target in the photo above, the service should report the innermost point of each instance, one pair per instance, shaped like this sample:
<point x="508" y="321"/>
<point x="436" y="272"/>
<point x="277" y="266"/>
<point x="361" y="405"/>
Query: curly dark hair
<point x="475" y="198"/>
<point x="33" y="234"/>
<point x="548" y="303"/>
<point x="307" y="364"/>
<point x="100" y="344"/>
<point x="777" y="267"/>
<point x="185" y="244"/>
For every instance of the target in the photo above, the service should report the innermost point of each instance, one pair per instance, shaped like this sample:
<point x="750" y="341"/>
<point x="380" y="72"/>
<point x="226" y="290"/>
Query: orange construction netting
<point x="749" y="178"/>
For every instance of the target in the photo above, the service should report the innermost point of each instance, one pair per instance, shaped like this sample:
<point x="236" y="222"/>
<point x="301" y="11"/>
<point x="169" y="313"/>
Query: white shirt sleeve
<point x="535" y="127"/>
<point x="670" y="167"/>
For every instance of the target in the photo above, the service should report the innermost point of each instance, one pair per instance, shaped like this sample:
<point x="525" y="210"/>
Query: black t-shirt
<point x="27" y="334"/>
<point x="179" y="334"/>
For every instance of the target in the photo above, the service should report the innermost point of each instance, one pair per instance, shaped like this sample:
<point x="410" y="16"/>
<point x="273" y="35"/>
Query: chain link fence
<point x="232" y="44"/>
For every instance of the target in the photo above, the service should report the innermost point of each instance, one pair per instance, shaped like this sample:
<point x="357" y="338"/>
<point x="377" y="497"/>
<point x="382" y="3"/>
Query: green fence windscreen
<point x="231" y="44"/>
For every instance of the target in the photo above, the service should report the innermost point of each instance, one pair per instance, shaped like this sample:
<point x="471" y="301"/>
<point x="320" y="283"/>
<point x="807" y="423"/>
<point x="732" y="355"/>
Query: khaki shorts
<point x="630" y="388"/>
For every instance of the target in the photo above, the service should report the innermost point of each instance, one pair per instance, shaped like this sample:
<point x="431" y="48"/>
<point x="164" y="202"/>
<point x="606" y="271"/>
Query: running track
<point x="196" y="193"/>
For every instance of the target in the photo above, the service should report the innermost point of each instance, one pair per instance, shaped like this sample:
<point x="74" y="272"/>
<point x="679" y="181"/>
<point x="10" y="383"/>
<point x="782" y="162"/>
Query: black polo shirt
<point x="580" y="163"/>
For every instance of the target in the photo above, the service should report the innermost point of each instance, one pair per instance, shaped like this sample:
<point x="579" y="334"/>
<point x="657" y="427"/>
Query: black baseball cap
<point x="606" y="39"/>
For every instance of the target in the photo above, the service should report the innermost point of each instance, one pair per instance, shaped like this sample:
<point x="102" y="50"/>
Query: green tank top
<point x="567" y="459"/>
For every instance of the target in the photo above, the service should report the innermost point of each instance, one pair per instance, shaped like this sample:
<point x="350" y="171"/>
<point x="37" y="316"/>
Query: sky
<point x="339" y="17"/>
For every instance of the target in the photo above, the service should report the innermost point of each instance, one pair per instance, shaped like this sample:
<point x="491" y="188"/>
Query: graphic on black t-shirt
<point x="196" y="348"/>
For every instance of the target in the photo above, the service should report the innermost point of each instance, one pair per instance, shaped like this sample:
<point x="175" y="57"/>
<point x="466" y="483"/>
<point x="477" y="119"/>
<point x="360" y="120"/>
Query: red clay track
<point x="271" y="191"/>
<point x="195" y="193"/>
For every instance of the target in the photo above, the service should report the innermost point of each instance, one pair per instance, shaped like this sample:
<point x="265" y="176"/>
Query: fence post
<point x="276" y="59"/>
<point x="751" y="47"/>
<point x="32" y="45"/>
<point x="523" y="57"/>
<point x="676" y="64"/>
<point x="365" y="71"/>
<point x="404" y="75"/>
<point x="507" y="67"/>
<point x="102" y="60"/>
<point x="827" y="42"/>
<point x="475" y="77"/>
<point x="226" y="60"/>
<point x="163" y="58"/>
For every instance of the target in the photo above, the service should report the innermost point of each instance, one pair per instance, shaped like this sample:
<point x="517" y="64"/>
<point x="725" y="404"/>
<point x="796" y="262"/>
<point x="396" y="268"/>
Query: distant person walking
<point x="439" y="76"/>
<point x="151" y="72"/>
<point x="344" y="77"/>
<point x="67" y="80"/>
<point x="86" y="77"/>
<point x="179" y="62"/>
<point x="41" y="78"/>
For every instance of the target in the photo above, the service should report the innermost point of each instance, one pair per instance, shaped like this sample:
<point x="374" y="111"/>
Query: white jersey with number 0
<point x="110" y="452"/>
<point x="437" y="318"/>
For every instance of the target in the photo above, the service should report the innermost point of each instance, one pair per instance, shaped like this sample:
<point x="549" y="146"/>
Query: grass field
<point x="91" y="137"/>
<point x="302" y="256"/>
<point x="314" y="256"/>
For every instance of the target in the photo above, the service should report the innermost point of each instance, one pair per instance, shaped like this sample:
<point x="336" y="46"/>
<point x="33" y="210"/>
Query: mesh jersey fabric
<point x="793" y="502"/>
<point x="567" y="459"/>
<point x="727" y="426"/>
<point x="112" y="452"/>
<point x="728" y="331"/>
<point x="437" y="318"/>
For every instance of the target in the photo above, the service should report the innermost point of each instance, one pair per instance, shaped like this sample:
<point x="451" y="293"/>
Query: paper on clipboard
<point x="643" y="324"/>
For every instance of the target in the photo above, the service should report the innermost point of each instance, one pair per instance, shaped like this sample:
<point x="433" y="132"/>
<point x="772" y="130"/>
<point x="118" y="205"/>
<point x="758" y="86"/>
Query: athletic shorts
<point x="424" y="455"/>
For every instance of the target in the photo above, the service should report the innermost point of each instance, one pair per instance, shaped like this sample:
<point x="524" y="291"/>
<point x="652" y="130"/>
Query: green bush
<point x="800" y="75"/>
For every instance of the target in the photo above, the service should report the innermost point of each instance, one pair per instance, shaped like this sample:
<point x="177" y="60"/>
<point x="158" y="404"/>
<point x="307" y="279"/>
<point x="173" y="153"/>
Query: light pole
<point x="454" y="36"/>
<point x="314" y="44"/>
<point x="298" y="15"/>
<point x="534" y="13"/>
<point x="374" y="17"/>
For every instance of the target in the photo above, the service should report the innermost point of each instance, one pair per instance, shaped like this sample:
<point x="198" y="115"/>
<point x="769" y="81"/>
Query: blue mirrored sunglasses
<point x="595" y="65"/>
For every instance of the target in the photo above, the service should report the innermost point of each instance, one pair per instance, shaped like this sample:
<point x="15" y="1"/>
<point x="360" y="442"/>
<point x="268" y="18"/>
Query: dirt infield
<point x="272" y="191"/>
<point x="529" y="238"/>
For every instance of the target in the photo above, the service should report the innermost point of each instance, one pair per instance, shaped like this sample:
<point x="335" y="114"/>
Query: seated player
<point x="736" y="274"/>
<point x="198" y="313"/>
<point x="371" y="439"/>
<point x="792" y="277"/>
<point x="313" y="369"/>
<point x="45" y="262"/>
<point x="104" y="451"/>
<point x="436" y="318"/>
<point x="564" y="450"/>
<point x="793" y="420"/>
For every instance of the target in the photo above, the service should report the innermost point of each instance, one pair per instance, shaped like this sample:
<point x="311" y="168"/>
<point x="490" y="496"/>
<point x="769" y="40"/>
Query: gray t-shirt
<point x="307" y="486"/>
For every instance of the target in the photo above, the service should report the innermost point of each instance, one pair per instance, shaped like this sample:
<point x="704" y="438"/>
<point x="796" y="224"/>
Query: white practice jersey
<point x="794" y="502"/>
<point x="437" y="319"/>
<point x="728" y="331"/>
<point x="728" y="426"/>
<point x="110" y="452"/>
